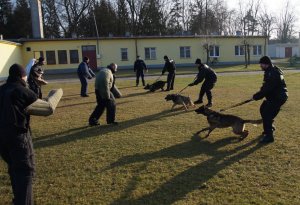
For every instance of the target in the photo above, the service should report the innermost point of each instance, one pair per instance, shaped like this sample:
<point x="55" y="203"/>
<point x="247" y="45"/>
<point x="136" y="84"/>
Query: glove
<point x="256" y="96"/>
<point x="191" y="84"/>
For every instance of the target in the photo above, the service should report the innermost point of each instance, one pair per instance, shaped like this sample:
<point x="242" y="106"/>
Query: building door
<point x="90" y="52"/>
<point x="288" y="52"/>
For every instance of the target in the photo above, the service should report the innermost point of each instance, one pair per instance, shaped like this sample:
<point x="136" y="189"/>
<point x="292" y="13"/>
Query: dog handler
<point x="275" y="91"/>
<point x="210" y="77"/>
<point x="15" y="140"/>
<point x="171" y="68"/>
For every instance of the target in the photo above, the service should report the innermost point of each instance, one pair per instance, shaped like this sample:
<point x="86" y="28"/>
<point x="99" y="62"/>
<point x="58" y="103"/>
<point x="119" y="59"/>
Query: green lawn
<point x="153" y="156"/>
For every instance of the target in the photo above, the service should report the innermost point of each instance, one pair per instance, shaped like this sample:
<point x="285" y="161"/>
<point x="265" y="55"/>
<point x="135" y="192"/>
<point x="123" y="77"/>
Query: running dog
<point x="180" y="100"/>
<point x="155" y="86"/>
<point x="218" y="120"/>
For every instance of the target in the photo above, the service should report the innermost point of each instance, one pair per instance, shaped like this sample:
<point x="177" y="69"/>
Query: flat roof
<point x="130" y="37"/>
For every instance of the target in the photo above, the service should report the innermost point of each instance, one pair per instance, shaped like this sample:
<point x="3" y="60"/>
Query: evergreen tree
<point x="122" y="18"/>
<point x="50" y="20"/>
<point x="20" y="23"/>
<point x="5" y="16"/>
<point x="175" y="21"/>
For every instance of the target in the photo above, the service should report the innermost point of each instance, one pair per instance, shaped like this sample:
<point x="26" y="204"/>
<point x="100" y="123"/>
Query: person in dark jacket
<point x="275" y="92"/>
<point x="85" y="73"/>
<point x="104" y="84"/>
<point x="210" y="78"/>
<point x="15" y="141"/>
<point x="139" y="68"/>
<point x="36" y="79"/>
<point x="171" y="68"/>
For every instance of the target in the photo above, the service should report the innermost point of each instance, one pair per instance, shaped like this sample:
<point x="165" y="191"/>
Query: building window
<point x="257" y="50"/>
<point x="124" y="54"/>
<point x="214" y="51"/>
<point x="150" y="53"/>
<point x="50" y="58"/>
<point x="74" y="57"/>
<point x="185" y="52"/>
<point x="239" y="50"/>
<point x="62" y="57"/>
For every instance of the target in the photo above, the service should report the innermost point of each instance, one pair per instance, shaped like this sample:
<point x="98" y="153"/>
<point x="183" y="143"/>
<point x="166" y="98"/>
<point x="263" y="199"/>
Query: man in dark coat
<point x="84" y="73"/>
<point x="275" y="92"/>
<point x="171" y="68"/>
<point x="139" y="68"/>
<point x="210" y="78"/>
<point x="15" y="141"/>
<point x="104" y="84"/>
<point x="35" y="79"/>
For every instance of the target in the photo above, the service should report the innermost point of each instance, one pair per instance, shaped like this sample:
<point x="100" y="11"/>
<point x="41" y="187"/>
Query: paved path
<point x="76" y="80"/>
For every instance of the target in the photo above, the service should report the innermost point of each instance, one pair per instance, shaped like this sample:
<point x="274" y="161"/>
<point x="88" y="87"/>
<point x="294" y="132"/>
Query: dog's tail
<point x="254" y="122"/>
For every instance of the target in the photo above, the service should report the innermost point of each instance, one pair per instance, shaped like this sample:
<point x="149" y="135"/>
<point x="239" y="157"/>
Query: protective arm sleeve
<point x="45" y="107"/>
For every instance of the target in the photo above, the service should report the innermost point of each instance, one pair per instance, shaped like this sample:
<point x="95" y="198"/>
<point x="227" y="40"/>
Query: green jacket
<point x="104" y="82"/>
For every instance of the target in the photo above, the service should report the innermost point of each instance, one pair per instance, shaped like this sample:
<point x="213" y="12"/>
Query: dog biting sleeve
<point x="45" y="107"/>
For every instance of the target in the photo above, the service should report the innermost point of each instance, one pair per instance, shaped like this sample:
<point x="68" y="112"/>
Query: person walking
<point x="36" y="79"/>
<point x="210" y="78"/>
<point x="275" y="92"/>
<point x="104" y="84"/>
<point x="85" y="73"/>
<point x="139" y="68"/>
<point x="171" y="68"/>
<point x="16" y="147"/>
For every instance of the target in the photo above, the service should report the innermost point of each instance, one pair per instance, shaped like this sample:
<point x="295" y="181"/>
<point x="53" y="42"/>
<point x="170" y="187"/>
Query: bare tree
<point x="286" y="23"/>
<point x="267" y="23"/>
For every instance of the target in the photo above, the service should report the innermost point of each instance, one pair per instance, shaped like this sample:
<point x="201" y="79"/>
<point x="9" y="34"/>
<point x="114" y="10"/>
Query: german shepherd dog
<point x="180" y="100"/>
<point x="155" y="86"/>
<point x="218" y="120"/>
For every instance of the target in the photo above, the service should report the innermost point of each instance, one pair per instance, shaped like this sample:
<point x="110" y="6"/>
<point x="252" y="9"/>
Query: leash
<point x="186" y="86"/>
<point x="157" y="78"/>
<point x="236" y="105"/>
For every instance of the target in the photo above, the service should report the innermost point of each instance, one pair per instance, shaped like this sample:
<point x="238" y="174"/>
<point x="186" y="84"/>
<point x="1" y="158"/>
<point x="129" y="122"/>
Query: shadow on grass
<point x="77" y="104"/>
<point x="192" y="178"/>
<point x="87" y="132"/>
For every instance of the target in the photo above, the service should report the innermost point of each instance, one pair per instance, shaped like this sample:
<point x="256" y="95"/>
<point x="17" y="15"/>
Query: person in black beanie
<point x="275" y="92"/>
<point x="139" y="68"/>
<point x="210" y="78"/>
<point x="36" y="79"/>
<point x="171" y="68"/>
<point x="85" y="73"/>
<point x="16" y="147"/>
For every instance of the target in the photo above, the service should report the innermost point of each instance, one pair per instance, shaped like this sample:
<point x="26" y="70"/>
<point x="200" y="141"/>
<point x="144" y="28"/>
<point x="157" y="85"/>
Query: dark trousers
<point x="17" y="151"/>
<point x="110" y="106"/>
<point x="206" y="89"/>
<point x="138" y="75"/>
<point x="84" y="85"/>
<point x="268" y="111"/>
<point x="170" y="81"/>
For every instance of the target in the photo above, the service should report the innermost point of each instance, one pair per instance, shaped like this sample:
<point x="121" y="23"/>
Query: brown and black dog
<point x="180" y="100"/>
<point x="155" y="86"/>
<point x="218" y="120"/>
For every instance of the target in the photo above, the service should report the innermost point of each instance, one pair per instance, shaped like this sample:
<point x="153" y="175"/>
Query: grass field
<point x="153" y="156"/>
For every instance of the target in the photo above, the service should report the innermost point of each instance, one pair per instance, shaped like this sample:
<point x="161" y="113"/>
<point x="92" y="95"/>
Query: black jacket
<point x="14" y="98"/>
<point x="274" y="87"/>
<point x="139" y="65"/>
<point x="206" y="73"/>
<point x="85" y="71"/>
<point x="169" y="66"/>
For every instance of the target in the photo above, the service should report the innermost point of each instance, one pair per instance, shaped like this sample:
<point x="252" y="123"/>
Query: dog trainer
<point x="139" y="68"/>
<point x="15" y="141"/>
<point x="171" y="68"/>
<point x="275" y="91"/>
<point x="84" y="73"/>
<point x="104" y="84"/>
<point x="210" y="77"/>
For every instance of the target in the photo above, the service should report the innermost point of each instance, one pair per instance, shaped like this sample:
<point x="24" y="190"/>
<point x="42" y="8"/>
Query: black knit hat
<point x="265" y="60"/>
<point x="17" y="70"/>
<point x="166" y="57"/>
<point x="85" y="58"/>
<point x="198" y="61"/>
<point x="41" y="59"/>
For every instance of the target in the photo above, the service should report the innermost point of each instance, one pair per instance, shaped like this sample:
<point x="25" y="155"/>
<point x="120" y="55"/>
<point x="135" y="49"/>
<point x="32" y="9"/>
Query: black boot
<point x="267" y="139"/>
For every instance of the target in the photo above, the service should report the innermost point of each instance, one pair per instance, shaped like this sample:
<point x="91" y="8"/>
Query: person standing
<point x="139" y="68"/>
<point x="16" y="147"/>
<point x="171" y="68"/>
<point x="36" y="79"/>
<point x="104" y="84"/>
<point x="210" y="78"/>
<point x="275" y="92"/>
<point x="85" y="73"/>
